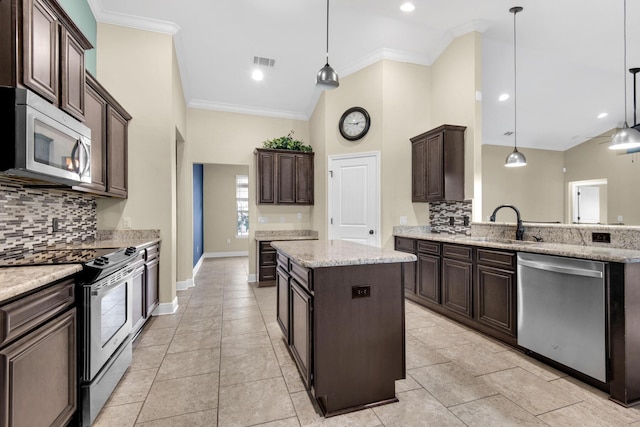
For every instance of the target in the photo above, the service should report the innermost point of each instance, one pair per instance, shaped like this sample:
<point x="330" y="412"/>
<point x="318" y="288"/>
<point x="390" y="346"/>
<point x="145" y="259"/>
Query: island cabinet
<point x="38" y="357"/>
<point x="344" y="326"/>
<point x="108" y="122"/>
<point x="475" y="286"/>
<point x="437" y="165"/>
<point x="284" y="177"/>
<point x="42" y="49"/>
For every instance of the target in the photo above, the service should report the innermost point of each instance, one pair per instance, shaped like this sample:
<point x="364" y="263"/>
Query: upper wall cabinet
<point x="284" y="177"/>
<point x="437" y="165"/>
<point x="42" y="49"/>
<point x="108" y="122"/>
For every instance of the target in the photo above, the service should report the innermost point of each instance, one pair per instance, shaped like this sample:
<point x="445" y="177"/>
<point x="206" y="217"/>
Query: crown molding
<point x="384" y="53"/>
<point x="133" y="21"/>
<point x="243" y="109"/>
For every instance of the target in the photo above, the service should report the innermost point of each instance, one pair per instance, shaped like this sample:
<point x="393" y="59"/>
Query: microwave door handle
<point x="73" y="157"/>
<point x="87" y="162"/>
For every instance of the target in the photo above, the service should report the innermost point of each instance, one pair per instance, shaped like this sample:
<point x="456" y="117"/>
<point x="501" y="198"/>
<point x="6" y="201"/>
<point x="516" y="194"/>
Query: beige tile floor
<point x="220" y="361"/>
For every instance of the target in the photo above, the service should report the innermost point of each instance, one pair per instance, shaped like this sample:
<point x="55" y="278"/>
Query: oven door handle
<point x="98" y="292"/>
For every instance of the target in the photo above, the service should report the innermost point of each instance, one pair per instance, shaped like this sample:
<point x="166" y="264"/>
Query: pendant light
<point x="327" y="77"/>
<point x="626" y="137"/>
<point x="516" y="158"/>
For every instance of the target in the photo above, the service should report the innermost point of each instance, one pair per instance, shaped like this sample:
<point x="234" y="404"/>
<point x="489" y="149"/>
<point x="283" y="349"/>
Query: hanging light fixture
<point x="516" y="158"/>
<point x="327" y="77"/>
<point x="626" y="137"/>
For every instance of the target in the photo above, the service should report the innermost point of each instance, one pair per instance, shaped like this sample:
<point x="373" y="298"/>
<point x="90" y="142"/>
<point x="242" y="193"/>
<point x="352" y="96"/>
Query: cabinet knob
<point x="370" y="231"/>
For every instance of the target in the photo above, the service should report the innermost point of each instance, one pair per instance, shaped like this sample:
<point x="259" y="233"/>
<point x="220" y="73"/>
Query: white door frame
<point x="376" y="156"/>
<point x="572" y="189"/>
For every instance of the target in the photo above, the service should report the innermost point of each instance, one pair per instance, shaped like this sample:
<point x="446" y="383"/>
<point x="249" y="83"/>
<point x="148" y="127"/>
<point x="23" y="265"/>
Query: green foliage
<point x="287" y="143"/>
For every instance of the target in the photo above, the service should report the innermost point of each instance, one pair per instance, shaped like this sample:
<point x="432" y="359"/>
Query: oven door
<point x="109" y="316"/>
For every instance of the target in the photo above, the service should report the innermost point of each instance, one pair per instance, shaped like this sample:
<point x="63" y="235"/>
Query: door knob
<point x="370" y="231"/>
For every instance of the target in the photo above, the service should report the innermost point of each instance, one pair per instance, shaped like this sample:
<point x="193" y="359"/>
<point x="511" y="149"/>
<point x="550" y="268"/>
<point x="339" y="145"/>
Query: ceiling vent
<point x="267" y="62"/>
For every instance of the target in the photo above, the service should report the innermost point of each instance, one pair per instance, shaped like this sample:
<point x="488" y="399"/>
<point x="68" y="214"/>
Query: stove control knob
<point x="129" y="251"/>
<point x="98" y="262"/>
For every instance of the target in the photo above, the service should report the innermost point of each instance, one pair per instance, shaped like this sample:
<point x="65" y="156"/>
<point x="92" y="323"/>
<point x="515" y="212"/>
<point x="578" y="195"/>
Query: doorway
<point x="588" y="201"/>
<point x="354" y="198"/>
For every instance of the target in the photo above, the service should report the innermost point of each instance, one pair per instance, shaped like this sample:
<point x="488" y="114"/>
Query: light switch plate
<point x="403" y="220"/>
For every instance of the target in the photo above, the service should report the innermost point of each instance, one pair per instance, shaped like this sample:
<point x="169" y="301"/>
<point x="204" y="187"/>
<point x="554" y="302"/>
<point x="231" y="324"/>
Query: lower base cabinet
<point x="38" y="372"/>
<point x="475" y="286"/>
<point x="345" y="329"/>
<point x="145" y="286"/>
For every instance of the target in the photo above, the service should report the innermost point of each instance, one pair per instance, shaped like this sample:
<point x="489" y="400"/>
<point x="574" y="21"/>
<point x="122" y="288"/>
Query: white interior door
<point x="354" y="198"/>
<point x="587" y="205"/>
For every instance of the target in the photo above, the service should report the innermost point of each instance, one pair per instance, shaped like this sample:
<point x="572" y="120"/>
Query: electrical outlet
<point x="55" y="225"/>
<point x="282" y="220"/>
<point x="619" y="218"/>
<point x="466" y="220"/>
<point x="126" y="222"/>
<point x="263" y="220"/>
<point x="452" y="221"/>
<point x="299" y="215"/>
<point x="228" y="241"/>
<point x="601" y="237"/>
<point x="403" y="220"/>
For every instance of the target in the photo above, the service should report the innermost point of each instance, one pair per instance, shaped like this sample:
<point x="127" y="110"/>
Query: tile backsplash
<point x="442" y="213"/>
<point x="27" y="215"/>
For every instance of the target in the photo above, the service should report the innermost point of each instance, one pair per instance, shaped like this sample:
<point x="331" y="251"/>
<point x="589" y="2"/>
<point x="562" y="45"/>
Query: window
<point x="242" y="205"/>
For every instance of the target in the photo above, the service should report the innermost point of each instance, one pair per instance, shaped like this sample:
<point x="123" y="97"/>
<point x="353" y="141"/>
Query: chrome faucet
<point x="520" y="229"/>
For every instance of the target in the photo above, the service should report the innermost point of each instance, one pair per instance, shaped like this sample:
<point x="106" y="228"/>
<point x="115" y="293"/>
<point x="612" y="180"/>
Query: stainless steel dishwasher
<point x="561" y="311"/>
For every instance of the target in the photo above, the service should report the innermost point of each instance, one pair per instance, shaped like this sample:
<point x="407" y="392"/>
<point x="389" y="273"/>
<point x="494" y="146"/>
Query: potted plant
<point x="287" y="143"/>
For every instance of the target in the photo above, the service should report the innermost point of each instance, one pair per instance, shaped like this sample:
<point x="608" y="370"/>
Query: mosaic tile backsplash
<point x="450" y="217"/>
<point x="26" y="217"/>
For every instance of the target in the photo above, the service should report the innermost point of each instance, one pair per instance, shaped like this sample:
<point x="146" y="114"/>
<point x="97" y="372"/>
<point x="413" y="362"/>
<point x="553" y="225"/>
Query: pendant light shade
<point x="625" y="138"/>
<point x="327" y="77"/>
<point x="516" y="158"/>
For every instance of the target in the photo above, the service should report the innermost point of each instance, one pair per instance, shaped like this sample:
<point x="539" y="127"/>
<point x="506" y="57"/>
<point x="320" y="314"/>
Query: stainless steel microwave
<point x="40" y="141"/>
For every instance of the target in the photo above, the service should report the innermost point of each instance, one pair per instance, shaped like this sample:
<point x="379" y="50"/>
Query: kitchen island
<point x="340" y="306"/>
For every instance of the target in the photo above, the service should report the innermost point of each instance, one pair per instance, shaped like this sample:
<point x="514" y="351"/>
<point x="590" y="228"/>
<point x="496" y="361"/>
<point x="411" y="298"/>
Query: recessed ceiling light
<point x="257" y="75"/>
<point x="407" y="7"/>
<point x="503" y="97"/>
<point x="602" y="115"/>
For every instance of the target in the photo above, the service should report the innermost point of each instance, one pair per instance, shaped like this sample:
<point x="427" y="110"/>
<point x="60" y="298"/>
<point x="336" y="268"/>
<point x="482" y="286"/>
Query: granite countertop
<point x="278" y="235"/>
<point x="333" y="253"/>
<point x="15" y="281"/>
<point x="597" y="253"/>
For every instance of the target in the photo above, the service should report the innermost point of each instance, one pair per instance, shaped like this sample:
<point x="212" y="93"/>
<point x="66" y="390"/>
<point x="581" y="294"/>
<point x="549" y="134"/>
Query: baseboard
<point x="198" y="265"/>
<point x="225" y="254"/>
<point x="184" y="285"/>
<point x="251" y="278"/>
<point x="166" y="308"/>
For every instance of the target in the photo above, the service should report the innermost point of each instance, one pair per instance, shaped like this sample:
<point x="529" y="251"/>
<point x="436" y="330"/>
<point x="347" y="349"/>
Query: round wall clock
<point x="354" y="123"/>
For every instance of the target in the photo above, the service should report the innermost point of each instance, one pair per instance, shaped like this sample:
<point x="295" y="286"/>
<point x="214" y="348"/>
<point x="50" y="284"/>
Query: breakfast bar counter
<point x="340" y="306"/>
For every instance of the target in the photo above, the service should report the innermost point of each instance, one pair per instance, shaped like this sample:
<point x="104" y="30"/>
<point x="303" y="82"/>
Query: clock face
<point x="354" y="123"/>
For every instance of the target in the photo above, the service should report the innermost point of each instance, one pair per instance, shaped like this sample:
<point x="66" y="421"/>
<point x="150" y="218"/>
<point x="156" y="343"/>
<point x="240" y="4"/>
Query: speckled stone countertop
<point x="276" y="235"/>
<point x="15" y="281"/>
<point x="597" y="253"/>
<point x="108" y="244"/>
<point x="333" y="253"/>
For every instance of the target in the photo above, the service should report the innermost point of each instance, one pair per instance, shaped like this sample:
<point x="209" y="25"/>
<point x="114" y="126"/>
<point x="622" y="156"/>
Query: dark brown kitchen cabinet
<point x="284" y="177"/>
<point x="266" y="263"/>
<point x="108" y="122"/>
<point x="475" y="286"/>
<point x="496" y="290"/>
<point x="152" y="278"/>
<point x="139" y="308"/>
<point x="282" y="302"/>
<point x="345" y="329"/>
<point x="409" y="269"/>
<point x="42" y="49"/>
<point x="437" y="165"/>
<point x="301" y="329"/>
<point x="38" y="358"/>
